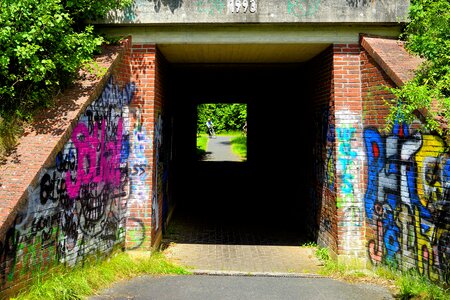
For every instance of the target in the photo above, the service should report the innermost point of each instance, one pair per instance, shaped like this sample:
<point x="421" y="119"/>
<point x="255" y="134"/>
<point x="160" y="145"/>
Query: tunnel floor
<point x="209" y="243"/>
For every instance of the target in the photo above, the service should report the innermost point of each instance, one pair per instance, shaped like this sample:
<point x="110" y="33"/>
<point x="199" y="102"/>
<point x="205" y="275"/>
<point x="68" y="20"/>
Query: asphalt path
<point x="226" y="287"/>
<point x="219" y="149"/>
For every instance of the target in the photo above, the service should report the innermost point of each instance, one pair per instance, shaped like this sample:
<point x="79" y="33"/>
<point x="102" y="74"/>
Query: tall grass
<point x="404" y="285"/>
<point x="239" y="146"/>
<point x="67" y="283"/>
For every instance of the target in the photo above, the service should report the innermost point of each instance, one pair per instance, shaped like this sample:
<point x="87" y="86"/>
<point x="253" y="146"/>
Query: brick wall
<point x="406" y="174"/>
<point x="348" y="148"/>
<point x="337" y="190"/>
<point x="323" y="192"/>
<point x="149" y="163"/>
<point x="70" y="177"/>
<point x="92" y="180"/>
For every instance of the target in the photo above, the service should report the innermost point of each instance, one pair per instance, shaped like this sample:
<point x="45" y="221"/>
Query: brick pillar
<point x="349" y="150"/>
<point x="141" y="158"/>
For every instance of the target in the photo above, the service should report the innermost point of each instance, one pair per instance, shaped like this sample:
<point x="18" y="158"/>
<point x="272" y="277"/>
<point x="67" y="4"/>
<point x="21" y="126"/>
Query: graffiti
<point x="352" y="216"/>
<point x="359" y="3"/>
<point x="171" y="4"/>
<point x="406" y="200"/>
<point x="79" y="205"/>
<point x="135" y="233"/>
<point x="140" y="190"/>
<point x="349" y="198"/>
<point x="210" y="7"/>
<point x="324" y="165"/>
<point x="159" y="171"/>
<point x="346" y="156"/>
<point x="97" y="159"/>
<point x="303" y="8"/>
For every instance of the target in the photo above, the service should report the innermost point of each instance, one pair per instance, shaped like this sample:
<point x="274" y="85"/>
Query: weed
<point x="404" y="285"/>
<point x="309" y="245"/>
<point x="322" y="254"/>
<point x="81" y="281"/>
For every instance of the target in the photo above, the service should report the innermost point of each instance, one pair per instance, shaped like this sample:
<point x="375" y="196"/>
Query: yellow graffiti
<point x="428" y="187"/>
<point x="426" y="256"/>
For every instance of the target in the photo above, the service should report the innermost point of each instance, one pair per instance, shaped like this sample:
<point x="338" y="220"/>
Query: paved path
<point x="211" y="287"/>
<point x="209" y="246"/>
<point x="219" y="149"/>
<point x="239" y="260"/>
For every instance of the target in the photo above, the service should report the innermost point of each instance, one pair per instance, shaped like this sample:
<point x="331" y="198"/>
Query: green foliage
<point x="322" y="254"/>
<point x="202" y="142"/>
<point x="239" y="146"/>
<point x="428" y="36"/>
<point x="225" y="116"/>
<point x="82" y="281"/>
<point x="412" y="285"/>
<point x="43" y="45"/>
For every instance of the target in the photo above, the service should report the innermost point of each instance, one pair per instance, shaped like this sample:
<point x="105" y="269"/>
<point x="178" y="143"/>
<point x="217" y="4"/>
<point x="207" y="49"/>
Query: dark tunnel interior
<point x="268" y="192"/>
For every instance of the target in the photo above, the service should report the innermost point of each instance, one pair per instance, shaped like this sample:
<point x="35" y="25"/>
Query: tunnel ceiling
<point x="240" y="53"/>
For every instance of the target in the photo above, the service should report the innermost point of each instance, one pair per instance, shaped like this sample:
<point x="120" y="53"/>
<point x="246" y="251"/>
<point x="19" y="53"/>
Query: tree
<point x="225" y="116"/>
<point x="427" y="34"/>
<point x="43" y="44"/>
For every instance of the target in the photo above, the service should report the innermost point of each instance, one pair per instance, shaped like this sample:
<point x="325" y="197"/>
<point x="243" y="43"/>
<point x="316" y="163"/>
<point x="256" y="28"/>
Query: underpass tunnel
<point x="271" y="189"/>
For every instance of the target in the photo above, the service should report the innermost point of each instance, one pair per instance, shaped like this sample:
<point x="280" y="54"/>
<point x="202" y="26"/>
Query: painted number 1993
<point x="242" y="6"/>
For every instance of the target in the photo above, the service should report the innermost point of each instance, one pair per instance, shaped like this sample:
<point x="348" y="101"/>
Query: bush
<point x="43" y="45"/>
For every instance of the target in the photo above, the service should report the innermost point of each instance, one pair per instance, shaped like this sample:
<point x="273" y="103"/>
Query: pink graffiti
<point x="375" y="248"/>
<point x="106" y="169"/>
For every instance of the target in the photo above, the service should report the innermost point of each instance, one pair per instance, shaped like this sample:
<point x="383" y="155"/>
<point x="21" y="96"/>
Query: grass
<point x="239" y="146"/>
<point x="202" y="144"/>
<point x="403" y="285"/>
<point x="80" y="282"/>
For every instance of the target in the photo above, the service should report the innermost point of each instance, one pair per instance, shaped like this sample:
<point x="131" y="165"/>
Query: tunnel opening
<point x="267" y="196"/>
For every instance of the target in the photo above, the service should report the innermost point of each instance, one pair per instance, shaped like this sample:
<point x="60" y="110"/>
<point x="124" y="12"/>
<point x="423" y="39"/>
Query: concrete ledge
<point x="392" y="57"/>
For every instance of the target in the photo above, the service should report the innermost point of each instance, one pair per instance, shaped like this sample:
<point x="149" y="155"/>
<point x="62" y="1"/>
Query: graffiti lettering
<point x="303" y="8"/>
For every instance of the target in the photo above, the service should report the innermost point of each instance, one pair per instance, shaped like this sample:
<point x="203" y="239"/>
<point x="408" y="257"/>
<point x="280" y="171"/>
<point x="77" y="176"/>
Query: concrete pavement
<point x="219" y="149"/>
<point x="239" y="261"/>
<point x="206" y="287"/>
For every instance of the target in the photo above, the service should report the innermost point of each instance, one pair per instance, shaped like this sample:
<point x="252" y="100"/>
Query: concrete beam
<point x="249" y="34"/>
<point x="260" y="11"/>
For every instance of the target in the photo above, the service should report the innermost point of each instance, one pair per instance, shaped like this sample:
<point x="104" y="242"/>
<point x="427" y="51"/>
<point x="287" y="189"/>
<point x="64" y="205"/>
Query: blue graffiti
<point x="346" y="156"/>
<point x="375" y="157"/>
<point x="391" y="236"/>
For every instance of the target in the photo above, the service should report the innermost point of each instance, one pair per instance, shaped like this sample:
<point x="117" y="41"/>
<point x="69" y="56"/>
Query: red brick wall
<point x="349" y="157"/>
<point x="70" y="175"/>
<point x="143" y="70"/>
<point x="146" y="216"/>
<point x="337" y="192"/>
<point x="323" y="194"/>
<point x="406" y="208"/>
<point x="373" y="91"/>
<point x="374" y="79"/>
